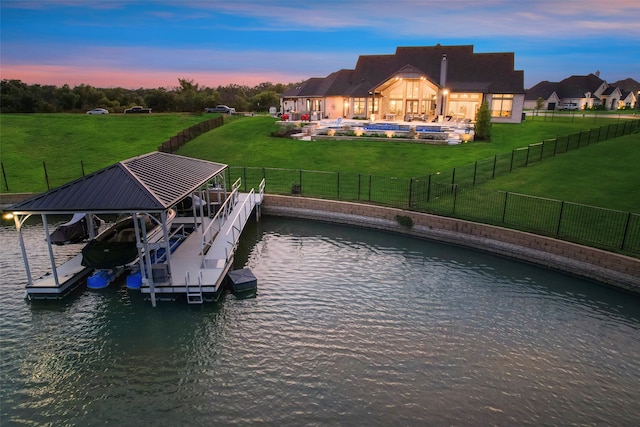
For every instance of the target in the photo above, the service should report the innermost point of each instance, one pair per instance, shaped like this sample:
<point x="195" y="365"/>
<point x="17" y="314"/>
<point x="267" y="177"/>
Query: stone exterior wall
<point x="616" y="270"/>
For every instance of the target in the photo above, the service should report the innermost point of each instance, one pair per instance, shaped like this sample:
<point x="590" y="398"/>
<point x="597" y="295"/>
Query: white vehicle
<point x="98" y="111"/>
<point x="569" y="106"/>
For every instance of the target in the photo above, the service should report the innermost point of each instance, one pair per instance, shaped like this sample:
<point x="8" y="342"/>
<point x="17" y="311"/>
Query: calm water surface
<point x="349" y="327"/>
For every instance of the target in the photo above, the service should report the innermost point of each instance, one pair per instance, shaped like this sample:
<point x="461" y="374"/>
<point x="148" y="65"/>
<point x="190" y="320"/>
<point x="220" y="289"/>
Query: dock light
<point x="7" y="215"/>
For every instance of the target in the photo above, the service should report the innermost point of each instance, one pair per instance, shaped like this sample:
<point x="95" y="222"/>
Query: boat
<point x="117" y="245"/>
<point x="134" y="279"/>
<point x="116" y="248"/>
<point x="75" y="230"/>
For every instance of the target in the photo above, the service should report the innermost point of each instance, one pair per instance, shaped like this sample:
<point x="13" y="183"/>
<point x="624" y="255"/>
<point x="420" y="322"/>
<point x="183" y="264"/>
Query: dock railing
<point x="237" y="224"/>
<point x="212" y="230"/>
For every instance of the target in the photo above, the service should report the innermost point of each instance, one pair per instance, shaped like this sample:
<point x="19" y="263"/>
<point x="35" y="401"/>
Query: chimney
<point x="443" y="71"/>
<point x="443" y="82"/>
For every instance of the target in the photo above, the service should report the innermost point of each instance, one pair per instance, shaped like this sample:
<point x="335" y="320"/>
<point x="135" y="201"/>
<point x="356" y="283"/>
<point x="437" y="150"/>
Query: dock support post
<point x="54" y="270"/>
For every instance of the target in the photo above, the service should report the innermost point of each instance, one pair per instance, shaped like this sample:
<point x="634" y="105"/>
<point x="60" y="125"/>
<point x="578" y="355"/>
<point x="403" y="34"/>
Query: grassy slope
<point x="605" y="174"/>
<point x="64" y="140"/>
<point x="246" y="142"/>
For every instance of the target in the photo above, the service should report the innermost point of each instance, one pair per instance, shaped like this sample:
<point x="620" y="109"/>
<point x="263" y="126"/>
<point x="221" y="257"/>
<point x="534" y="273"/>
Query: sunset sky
<point x="151" y="44"/>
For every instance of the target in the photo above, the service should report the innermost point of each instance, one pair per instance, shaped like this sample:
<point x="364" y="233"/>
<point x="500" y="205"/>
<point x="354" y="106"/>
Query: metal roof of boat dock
<point x="150" y="182"/>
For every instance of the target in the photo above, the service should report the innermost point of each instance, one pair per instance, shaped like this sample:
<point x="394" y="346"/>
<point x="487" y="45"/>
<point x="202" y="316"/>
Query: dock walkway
<point x="198" y="267"/>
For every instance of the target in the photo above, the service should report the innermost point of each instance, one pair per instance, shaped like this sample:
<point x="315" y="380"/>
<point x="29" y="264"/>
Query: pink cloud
<point x="59" y="75"/>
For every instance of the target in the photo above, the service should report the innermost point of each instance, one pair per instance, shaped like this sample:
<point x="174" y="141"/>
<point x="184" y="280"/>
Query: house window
<point x="501" y="105"/>
<point x="395" y="106"/>
<point x="413" y="89"/>
<point x="359" y="106"/>
<point x="375" y="106"/>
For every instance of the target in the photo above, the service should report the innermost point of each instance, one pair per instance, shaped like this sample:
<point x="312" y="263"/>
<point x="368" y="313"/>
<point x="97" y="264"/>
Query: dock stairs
<point x="194" y="293"/>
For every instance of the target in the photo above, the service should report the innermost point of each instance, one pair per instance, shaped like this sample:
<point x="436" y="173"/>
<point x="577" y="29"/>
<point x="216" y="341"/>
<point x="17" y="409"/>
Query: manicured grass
<point x="604" y="174"/>
<point x="246" y="142"/>
<point x="63" y="141"/>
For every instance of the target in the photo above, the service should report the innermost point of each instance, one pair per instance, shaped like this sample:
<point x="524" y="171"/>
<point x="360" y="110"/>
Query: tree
<point x="483" y="123"/>
<point x="539" y="103"/>
<point x="263" y="100"/>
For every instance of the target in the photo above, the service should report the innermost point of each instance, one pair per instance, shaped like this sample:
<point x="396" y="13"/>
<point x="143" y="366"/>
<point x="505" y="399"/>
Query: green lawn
<point x="606" y="174"/>
<point x="246" y="142"/>
<point x="68" y="142"/>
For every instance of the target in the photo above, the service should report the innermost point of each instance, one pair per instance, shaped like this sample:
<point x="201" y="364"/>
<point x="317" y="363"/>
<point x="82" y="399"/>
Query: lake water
<point x="349" y="327"/>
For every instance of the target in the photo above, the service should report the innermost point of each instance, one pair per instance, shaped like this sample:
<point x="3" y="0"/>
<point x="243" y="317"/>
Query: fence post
<point x="475" y="170"/>
<point x="338" y="182"/>
<point x="513" y="152"/>
<point x="560" y="218"/>
<point x="579" y="138"/>
<point x="526" y="162"/>
<point x="626" y="230"/>
<point x="82" y="167"/>
<point x="542" y="149"/>
<point x="455" y="198"/>
<point x="300" y="181"/>
<point x="369" y="187"/>
<point x="410" y="190"/>
<point x="495" y="159"/>
<point x="359" y="185"/>
<point x="46" y="175"/>
<point x="429" y="189"/>
<point x="4" y="174"/>
<point x="453" y="177"/>
<point x="504" y="208"/>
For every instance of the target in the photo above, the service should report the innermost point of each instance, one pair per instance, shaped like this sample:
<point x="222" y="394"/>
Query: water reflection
<point x="348" y="327"/>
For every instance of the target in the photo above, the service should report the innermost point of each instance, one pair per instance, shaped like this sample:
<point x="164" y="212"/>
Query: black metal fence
<point x="454" y="194"/>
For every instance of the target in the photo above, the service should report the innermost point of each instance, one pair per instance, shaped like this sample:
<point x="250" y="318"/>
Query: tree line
<point x="188" y="96"/>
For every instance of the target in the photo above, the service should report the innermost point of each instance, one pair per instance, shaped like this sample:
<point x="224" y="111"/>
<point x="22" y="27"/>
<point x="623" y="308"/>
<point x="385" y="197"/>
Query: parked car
<point x="137" y="109"/>
<point x="569" y="106"/>
<point x="220" y="109"/>
<point x="98" y="111"/>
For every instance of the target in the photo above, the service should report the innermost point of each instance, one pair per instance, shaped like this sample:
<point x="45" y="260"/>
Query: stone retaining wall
<point x="616" y="270"/>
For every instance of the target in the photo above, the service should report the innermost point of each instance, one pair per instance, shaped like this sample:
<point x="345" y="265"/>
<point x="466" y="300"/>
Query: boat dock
<point x="198" y="267"/>
<point x="60" y="282"/>
<point x="151" y="185"/>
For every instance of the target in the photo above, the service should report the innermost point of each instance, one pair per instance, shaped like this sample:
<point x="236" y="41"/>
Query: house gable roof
<point x="151" y="182"/>
<point x="544" y="90"/>
<point x="466" y="71"/>
<point x="628" y="85"/>
<point x="578" y="86"/>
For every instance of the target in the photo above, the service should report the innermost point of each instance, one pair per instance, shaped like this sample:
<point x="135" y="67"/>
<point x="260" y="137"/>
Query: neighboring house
<point x="580" y="92"/>
<point x="630" y="93"/>
<point x="416" y="83"/>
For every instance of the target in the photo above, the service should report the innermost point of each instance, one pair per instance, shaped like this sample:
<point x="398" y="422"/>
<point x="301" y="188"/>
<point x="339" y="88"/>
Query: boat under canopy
<point x="151" y="184"/>
<point x="75" y="230"/>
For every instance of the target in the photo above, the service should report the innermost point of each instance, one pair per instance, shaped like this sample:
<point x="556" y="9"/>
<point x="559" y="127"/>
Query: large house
<point x="416" y="83"/>
<point x="581" y="92"/>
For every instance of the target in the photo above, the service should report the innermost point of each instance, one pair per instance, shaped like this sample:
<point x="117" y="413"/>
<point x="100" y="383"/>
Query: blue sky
<point x="152" y="44"/>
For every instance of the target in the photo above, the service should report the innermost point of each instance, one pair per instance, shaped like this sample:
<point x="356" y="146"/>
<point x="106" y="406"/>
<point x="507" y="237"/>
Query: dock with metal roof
<point x="198" y="267"/>
<point x="151" y="184"/>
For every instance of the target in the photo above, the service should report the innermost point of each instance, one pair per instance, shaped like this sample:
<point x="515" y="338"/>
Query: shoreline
<point x="615" y="270"/>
